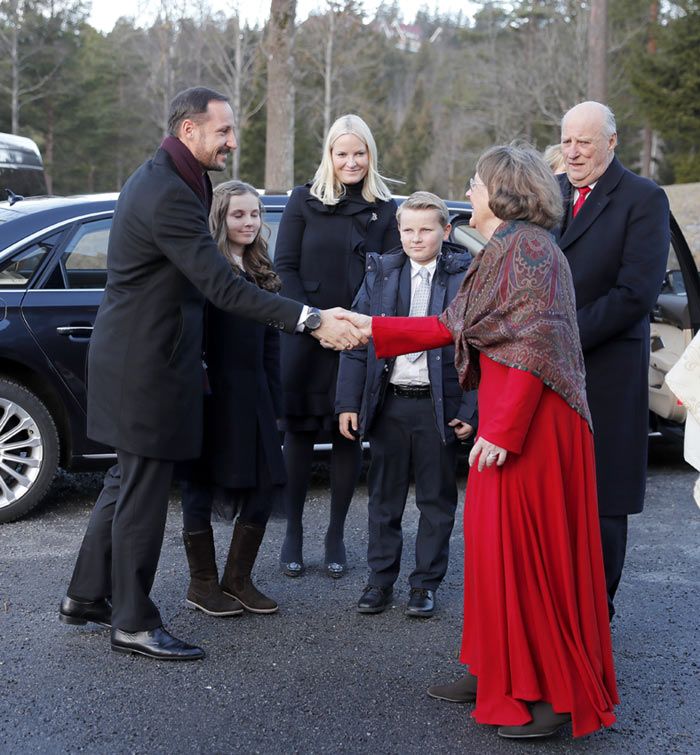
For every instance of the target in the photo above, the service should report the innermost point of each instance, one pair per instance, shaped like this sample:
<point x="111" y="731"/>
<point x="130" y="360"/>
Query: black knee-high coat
<point x="320" y="256"/>
<point x="144" y="363"/>
<point x="617" y="247"/>
<point x="240" y="412"/>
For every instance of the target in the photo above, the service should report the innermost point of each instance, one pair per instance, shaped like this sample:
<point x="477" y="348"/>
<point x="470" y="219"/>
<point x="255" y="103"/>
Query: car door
<point x="60" y="309"/>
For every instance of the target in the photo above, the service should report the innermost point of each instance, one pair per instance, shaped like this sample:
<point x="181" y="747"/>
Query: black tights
<point x="346" y="460"/>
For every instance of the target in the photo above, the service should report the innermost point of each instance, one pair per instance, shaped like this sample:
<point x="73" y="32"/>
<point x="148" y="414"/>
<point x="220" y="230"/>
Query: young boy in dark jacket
<point x="410" y="408"/>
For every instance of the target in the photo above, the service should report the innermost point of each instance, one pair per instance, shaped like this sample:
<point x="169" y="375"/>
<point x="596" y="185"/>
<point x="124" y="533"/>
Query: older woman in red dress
<point x="536" y="635"/>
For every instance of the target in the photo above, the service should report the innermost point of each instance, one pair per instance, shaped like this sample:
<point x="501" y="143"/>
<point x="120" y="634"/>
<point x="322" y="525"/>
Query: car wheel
<point x="28" y="450"/>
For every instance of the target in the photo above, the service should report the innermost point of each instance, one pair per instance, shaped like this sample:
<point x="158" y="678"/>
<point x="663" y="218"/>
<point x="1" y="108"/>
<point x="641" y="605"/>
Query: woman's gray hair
<point x="521" y="185"/>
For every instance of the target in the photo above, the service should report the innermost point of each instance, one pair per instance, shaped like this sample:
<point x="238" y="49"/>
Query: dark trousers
<point x="404" y="436"/>
<point x="120" y="551"/>
<point x="613" y="536"/>
<point x="253" y="505"/>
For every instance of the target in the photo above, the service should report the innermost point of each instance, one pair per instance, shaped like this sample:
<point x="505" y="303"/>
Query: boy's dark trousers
<point x="404" y="436"/>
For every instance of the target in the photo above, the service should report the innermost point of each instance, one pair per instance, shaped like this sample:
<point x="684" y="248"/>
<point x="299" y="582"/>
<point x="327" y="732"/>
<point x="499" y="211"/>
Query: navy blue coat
<point x="320" y="257"/>
<point x="386" y="291"/>
<point x="617" y="248"/>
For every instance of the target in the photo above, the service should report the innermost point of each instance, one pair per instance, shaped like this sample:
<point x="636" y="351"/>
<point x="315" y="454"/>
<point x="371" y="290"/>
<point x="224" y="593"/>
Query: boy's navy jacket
<point x="386" y="291"/>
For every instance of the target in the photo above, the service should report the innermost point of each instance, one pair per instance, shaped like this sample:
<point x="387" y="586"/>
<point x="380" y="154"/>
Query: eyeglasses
<point x="473" y="183"/>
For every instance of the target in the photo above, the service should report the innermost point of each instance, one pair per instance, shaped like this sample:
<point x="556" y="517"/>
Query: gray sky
<point x="106" y="12"/>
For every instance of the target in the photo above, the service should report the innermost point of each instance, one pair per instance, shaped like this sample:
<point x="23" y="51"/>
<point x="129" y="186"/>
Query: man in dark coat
<point x="616" y="237"/>
<point x="145" y="375"/>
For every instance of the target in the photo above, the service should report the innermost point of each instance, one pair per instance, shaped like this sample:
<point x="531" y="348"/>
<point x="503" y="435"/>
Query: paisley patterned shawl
<point x="517" y="306"/>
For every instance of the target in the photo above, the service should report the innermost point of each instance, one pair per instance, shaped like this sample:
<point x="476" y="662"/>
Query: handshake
<point x="342" y="330"/>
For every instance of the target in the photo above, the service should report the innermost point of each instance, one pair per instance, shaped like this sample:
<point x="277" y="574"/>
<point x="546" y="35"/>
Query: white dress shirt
<point x="406" y="372"/>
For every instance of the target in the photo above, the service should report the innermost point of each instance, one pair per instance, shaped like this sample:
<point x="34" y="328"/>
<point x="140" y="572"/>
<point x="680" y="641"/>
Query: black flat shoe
<point x="336" y="570"/>
<point x="292" y="568"/>
<point x="545" y="722"/>
<point x="375" y="599"/>
<point x="155" y="643"/>
<point x="421" y="603"/>
<point x="79" y="612"/>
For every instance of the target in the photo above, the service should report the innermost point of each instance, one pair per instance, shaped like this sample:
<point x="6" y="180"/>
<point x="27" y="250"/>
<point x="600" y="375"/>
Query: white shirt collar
<point x="430" y="267"/>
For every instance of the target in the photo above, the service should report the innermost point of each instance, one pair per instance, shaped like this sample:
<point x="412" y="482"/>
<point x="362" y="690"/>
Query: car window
<point x="84" y="260"/>
<point x="272" y="221"/>
<point x="18" y="271"/>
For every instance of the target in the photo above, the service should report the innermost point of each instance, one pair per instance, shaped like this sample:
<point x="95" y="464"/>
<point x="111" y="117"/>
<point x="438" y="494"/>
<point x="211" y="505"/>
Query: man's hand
<point x="487" y="453"/>
<point x="362" y="322"/>
<point x="462" y="429"/>
<point x="347" y="421"/>
<point x="337" y="331"/>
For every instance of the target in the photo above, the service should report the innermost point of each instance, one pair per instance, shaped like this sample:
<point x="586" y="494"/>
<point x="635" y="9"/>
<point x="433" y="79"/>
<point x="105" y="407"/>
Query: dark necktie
<point x="583" y="192"/>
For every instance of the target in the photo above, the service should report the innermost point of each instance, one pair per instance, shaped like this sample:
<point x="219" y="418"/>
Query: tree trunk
<point x="236" y="104"/>
<point x="328" y="72"/>
<point x="598" y="51"/>
<point x="14" y="62"/>
<point x="279" y="137"/>
<point x="48" y="148"/>
<point x="648" y="141"/>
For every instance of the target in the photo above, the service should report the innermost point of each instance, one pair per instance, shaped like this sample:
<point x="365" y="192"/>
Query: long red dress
<point x="536" y="623"/>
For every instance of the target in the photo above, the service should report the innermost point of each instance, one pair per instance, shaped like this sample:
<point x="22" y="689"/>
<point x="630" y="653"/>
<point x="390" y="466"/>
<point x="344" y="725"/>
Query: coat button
<point x="437" y="358"/>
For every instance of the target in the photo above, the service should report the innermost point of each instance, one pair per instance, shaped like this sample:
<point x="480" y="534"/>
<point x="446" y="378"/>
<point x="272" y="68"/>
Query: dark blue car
<point x="53" y="256"/>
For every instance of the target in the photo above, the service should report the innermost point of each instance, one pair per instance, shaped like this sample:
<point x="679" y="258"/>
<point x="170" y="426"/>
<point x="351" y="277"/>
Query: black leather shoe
<point x="79" y="612"/>
<point x="545" y="722"/>
<point x="375" y="599"/>
<point x="155" y="643"/>
<point x="421" y="603"/>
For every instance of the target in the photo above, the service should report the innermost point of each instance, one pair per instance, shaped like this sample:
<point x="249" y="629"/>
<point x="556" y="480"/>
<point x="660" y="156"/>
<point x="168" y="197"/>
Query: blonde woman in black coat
<point x="326" y="230"/>
<point x="241" y="469"/>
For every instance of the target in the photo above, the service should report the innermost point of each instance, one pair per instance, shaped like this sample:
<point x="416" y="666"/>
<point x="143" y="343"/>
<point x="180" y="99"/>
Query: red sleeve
<point x="508" y="423"/>
<point x="402" y="335"/>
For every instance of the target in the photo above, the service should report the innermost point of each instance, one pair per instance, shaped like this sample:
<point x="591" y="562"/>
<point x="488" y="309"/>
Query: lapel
<point x="438" y="289"/>
<point x="403" y="304"/>
<point x="592" y="207"/>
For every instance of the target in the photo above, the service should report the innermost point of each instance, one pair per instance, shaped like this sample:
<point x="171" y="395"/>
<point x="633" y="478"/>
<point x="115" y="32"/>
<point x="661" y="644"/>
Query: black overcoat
<point x="241" y="411"/>
<point x="145" y="383"/>
<point x="617" y="248"/>
<point x="320" y="256"/>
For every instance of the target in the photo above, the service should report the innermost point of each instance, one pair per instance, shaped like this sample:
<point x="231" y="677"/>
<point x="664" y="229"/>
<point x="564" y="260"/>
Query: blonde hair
<point x="554" y="157"/>
<point x="425" y="200"/>
<point x="256" y="261"/>
<point x="520" y="185"/>
<point x="326" y="187"/>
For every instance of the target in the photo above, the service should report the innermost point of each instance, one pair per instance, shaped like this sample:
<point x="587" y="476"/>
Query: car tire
<point x="29" y="450"/>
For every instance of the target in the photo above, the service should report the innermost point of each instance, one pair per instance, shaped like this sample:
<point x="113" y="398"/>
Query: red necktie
<point x="583" y="192"/>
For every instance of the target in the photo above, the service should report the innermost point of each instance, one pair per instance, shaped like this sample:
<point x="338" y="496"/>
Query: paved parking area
<point x="318" y="677"/>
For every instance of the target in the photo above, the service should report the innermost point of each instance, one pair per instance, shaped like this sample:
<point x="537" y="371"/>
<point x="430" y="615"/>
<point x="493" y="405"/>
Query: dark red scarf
<point x="516" y="305"/>
<point x="189" y="169"/>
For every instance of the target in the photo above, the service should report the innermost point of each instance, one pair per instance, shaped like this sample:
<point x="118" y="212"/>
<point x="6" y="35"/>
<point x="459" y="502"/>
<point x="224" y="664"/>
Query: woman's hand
<point x="487" y="454"/>
<point x="347" y="423"/>
<point x="363" y="323"/>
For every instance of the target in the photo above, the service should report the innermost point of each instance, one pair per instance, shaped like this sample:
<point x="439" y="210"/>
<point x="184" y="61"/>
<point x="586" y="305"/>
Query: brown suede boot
<point x="461" y="691"/>
<point x="204" y="592"/>
<point x="236" y="581"/>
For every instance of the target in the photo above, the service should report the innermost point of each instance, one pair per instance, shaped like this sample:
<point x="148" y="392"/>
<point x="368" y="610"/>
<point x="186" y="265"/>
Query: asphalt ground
<point x="317" y="677"/>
